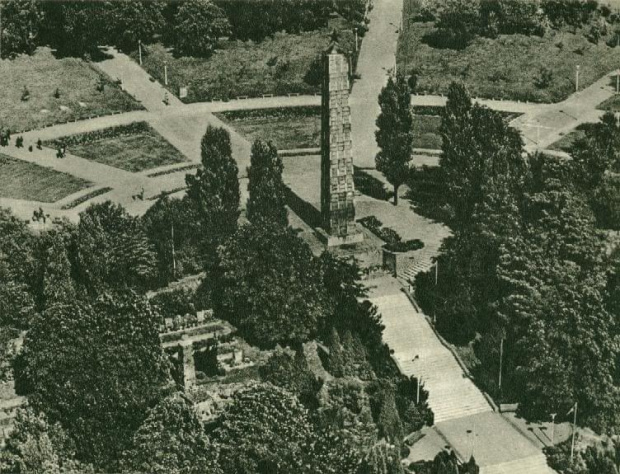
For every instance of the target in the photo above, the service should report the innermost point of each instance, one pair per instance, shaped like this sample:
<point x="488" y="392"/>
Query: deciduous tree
<point x="198" y="25"/>
<point x="96" y="369"/>
<point x="171" y="440"/>
<point x="268" y="284"/>
<point x="267" y="193"/>
<point x="395" y="132"/>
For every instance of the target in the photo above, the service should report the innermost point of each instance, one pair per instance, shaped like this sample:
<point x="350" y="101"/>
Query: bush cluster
<point x="387" y="234"/>
<point x="95" y="135"/>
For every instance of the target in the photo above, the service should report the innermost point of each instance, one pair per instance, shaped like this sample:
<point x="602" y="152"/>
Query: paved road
<point x="377" y="57"/>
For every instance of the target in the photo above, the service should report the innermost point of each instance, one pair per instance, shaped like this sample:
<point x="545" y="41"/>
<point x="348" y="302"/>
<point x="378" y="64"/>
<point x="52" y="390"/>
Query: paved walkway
<point x="463" y="417"/>
<point x="377" y="57"/>
<point x="541" y="128"/>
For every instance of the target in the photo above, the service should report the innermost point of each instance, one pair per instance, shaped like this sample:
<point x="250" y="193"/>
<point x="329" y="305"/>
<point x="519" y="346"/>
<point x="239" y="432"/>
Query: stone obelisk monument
<point x="337" y="188"/>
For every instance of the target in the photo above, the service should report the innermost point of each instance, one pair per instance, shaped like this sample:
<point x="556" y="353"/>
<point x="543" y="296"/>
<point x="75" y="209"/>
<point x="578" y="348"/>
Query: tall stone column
<point x="337" y="187"/>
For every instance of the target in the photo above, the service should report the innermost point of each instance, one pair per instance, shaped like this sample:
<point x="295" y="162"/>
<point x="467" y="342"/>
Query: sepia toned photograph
<point x="309" y="236"/>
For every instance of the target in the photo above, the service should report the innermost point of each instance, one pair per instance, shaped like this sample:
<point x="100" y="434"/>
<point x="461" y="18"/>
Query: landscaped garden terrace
<point x="28" y="181"/>
<point x="300" y="127"/>
<point x="134" y="147"/>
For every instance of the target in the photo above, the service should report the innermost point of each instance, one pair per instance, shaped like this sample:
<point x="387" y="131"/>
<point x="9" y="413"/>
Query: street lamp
<point x="572" y="444"/>
<point x="140" y="51"/>
<point x="356" y="46"/>
<point x="501" y="360"/>
<point x="166" y="73"/>
<point x="577" y="78"/>
<point x="553" y="415"/>
<point x="418" y="382"/>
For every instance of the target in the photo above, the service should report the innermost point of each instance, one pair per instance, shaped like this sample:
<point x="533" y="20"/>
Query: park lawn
<point x="288" y="128"/>
<point x="612" y="104"/>
<point x="277" y="65"/>
<point x="506" y="67"/>
<point x="567" y="141"/>
<point x="133" y="152"/>
<point x="300" y="127"/>
<point x="28" y="181"/>
<point x="42" y="74"/>
<point x="426" y="132"/>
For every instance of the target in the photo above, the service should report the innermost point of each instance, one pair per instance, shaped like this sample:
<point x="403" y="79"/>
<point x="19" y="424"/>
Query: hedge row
<point x="276" y="113"/>
<point x="96" y="135"/>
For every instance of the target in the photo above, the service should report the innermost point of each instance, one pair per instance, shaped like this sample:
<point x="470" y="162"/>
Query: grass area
<point x="507" y="67"/>
<point x="279" y="65"/>
<point x="612" y="104"/>
<point x="288" y="128"/>
<point x="426" y="131"/>
<point x="24" y="180"/>
<point x="140" y="150"/>
<point x="567" y="141"/>
<point x="42" y="74"/>
<point x="300" y="127"/>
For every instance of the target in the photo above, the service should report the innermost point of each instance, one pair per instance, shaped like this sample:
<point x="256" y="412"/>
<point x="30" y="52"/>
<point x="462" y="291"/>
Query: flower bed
<point x="406" y="246"/>
<point x="89" y="137"/>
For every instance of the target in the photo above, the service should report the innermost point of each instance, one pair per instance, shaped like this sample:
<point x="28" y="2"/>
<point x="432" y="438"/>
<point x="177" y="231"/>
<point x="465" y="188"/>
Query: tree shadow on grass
<point x="426" y="194"/>
<point x="306" y="211"/>
<point x="370" y="186"/>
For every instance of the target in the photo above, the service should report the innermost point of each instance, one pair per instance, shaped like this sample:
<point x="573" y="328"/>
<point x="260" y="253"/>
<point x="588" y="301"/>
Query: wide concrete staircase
<point x="536" y="464"/>
<point x="418" y="352"/>
<point x="423" y="262"/>
<point x="463" y="416"/>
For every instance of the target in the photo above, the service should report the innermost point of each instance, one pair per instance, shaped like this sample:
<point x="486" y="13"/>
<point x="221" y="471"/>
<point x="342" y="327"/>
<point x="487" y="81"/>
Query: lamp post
<point x="140" y="51"/>
<point x="553" y="415"/>
<point x="356" y="45"/>
<point x="418" y="381"/>
<point x="501" y="360"/>
<point x="572" y="444"/>
<point x="166" y="73"/>
<point x="577" y="78"/>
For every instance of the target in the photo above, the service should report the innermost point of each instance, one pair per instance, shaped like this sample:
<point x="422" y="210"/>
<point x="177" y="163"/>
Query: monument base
<point x="337" y="240"/>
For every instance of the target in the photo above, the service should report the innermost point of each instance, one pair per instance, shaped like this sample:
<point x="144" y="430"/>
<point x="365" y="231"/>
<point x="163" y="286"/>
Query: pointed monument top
<point x="334" y="47"/>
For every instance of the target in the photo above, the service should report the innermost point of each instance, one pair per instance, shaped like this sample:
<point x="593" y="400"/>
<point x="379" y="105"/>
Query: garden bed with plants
<point x="28" y="181"/>
<point x="134" y="147"/>
<point x="288" y="127"/>
<point x="82" y="199"/>
<point x="393" y="241"/>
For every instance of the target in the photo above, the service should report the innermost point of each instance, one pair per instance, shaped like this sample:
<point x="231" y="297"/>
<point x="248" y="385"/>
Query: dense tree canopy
<point x="554" y="288"/>
<point x="171" y="440"/>
<point x="198" y="24"/>
<point x="173" y="229"/>
<point x="268" y="285"/>
<point x="21" y="21"/>
<point x="95" y="368"/>
<point x="112" y="249"/>
<point x="266" y="429"/>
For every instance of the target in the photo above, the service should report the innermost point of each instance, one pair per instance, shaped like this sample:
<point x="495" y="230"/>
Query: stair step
<point x="530" y="465"/>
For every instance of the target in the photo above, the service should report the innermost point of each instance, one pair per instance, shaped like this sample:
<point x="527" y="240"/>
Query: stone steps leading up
<point x="408" y="333"/>
<point x="531" y="465"/>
